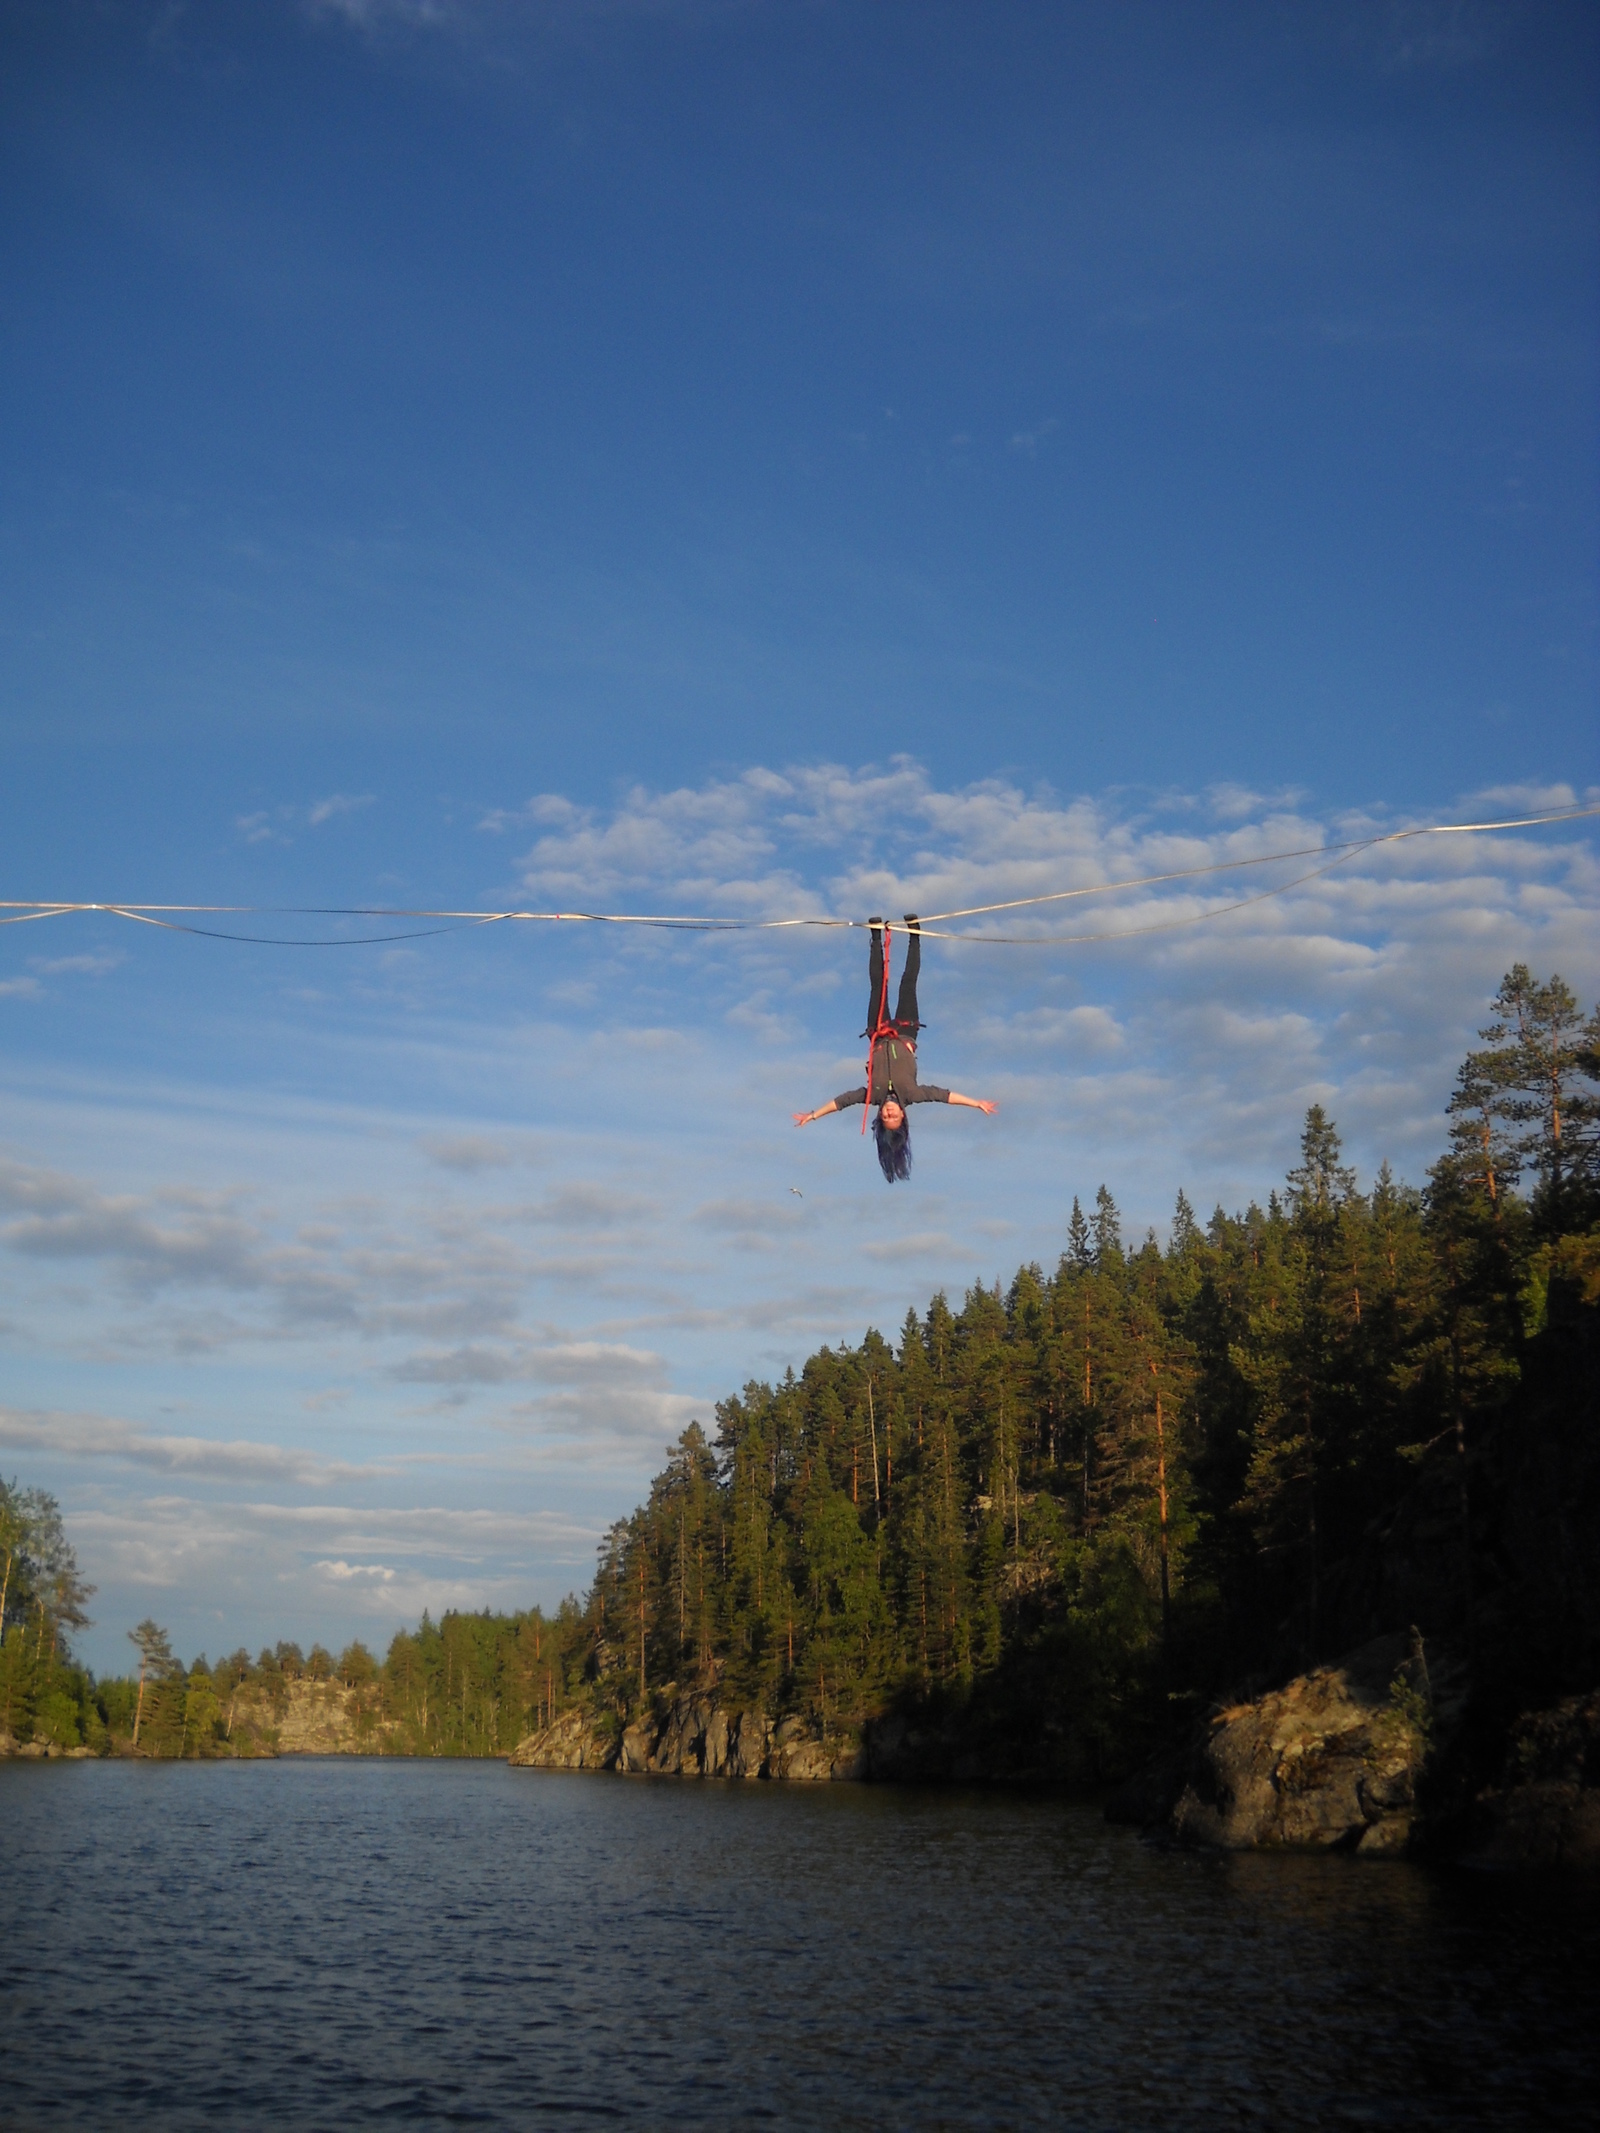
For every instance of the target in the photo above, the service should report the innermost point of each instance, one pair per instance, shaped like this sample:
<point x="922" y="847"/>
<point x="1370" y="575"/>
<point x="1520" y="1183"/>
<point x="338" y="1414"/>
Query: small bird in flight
<point x="799" y="1195"/>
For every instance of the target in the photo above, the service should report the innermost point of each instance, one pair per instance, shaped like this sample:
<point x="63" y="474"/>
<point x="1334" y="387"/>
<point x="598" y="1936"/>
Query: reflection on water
<point x="336" y="1943"/>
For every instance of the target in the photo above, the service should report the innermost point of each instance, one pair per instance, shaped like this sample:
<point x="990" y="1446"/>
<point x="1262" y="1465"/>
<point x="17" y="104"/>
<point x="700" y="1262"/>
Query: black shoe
<point x="912" y="919"/>
<point x="875" y="923"/>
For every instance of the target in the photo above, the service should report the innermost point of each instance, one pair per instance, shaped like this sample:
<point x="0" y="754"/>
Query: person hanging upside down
<point x="892" y="1082"/>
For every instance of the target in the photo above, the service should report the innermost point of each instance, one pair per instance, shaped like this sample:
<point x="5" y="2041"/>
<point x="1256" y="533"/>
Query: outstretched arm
<point x="975" y="1103"/>
<point x="804" y="1118"/>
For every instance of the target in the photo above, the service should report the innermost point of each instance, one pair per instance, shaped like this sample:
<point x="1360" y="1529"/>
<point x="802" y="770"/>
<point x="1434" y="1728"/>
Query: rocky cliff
<point x="287" y="1718"/>
<point x="306" y="1718"/>
<point x="693" y="1736"/>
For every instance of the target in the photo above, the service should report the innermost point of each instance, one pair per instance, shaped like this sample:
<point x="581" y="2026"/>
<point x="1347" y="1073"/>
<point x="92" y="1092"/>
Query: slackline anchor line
<point x="174" y="918"/>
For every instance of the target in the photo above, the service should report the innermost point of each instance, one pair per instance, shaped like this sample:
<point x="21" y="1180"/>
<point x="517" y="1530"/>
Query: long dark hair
<point x="894" y="1147"/>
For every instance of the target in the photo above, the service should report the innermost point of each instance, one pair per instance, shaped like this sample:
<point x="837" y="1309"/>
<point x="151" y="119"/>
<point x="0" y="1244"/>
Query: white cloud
<point x="895" y="841"/>
<point x="759" y="1225"/>
<point x="78" y="1437"/>
<point x="18" y="988"/>
<point x="1029" y="441"/>
<point x="221" y="1573"/>
<point x="259" y="828"/>
<point x="579" y="1230"/>
<point x="923" y="1244"/>
<point x="1071" y="1033"/>
<point x="272" y="825"/>
<point x="470" y="1152"/>
<point x="605" y="1427"/>
<point x="371" y="15"/>
<point x="88" y="966"/>
<point x="584" y="1207"/>
<point x="338" y="803"/>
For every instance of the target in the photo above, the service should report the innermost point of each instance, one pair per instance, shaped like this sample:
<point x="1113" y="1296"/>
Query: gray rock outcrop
<point x="1330" y="1761"/>
<point x="695" y="1736"/>
<point x="574" y="1741"/>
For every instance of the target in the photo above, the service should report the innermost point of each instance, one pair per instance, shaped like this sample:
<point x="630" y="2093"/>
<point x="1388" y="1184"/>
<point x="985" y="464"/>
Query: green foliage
<point x="1409" y="1713"/>
<point x="115" y="1701"/>
<point x="202" y="1714"/>
<point x="43" y="1695"/>
<point x="1527" y="1102"/>
<point x="475" y="1684"/>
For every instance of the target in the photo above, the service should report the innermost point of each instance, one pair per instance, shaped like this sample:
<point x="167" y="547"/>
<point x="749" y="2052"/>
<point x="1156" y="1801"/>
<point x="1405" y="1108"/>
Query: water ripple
<point x="309" y="1944"/>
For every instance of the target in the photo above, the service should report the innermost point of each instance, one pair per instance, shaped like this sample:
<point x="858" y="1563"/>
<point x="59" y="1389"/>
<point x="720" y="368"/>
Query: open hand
<point x="984" y="1104"/>
<point x="804" y="1118"/>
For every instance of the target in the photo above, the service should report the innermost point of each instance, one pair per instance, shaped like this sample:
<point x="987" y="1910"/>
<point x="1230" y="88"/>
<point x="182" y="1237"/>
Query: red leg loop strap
<point x="882" y="1027"/>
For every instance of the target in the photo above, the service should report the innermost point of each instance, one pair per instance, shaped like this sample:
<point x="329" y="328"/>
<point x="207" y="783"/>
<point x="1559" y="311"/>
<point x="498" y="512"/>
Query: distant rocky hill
<point x="306" y="1718"/>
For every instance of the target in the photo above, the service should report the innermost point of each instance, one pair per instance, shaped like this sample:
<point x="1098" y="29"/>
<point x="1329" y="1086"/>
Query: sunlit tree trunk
<point x="872" y="1426"/>
<point x="1161" y="1499"/>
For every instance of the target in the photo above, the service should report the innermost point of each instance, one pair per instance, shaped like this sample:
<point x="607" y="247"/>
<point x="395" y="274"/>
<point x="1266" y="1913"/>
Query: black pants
<point x="905" y="1012"/>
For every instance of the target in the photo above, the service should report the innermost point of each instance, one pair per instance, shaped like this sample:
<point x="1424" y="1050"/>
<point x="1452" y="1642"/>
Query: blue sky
<point x="746" y="458"/>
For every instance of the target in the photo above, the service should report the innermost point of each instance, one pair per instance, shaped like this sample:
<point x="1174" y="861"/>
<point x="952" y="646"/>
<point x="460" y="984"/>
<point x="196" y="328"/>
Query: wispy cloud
<point x="1438" y="34"/>
<point x="823" y="839"/>
<point x="570" y="1363"/>
<point x="99" y="965"/>
<point x="339" y="803"/>
<point x="107" y="1437"/>
<point x="321" y="1570"/>
<point x="470" y="1152"/>
<point x="276" y="825"/>
<point x="1028" y="441"/>
<point x="370" y="15"/>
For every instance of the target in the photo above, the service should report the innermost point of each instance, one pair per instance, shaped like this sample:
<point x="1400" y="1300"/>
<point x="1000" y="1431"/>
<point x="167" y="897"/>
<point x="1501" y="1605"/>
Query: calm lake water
<point x="340" y="1943"/>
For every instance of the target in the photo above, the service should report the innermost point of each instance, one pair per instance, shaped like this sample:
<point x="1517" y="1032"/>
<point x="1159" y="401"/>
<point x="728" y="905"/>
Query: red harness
<point x="882" y="1028"/>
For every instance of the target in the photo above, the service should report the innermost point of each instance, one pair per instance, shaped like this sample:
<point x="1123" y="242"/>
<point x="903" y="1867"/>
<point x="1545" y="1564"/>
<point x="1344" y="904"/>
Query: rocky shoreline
<point x="39" y="1751"/>
<point x="1359" y="1756"/>
<point x="1334" y="1760"/>
<point x="695" y="1737"/>
<point x="1370" y="1755"/>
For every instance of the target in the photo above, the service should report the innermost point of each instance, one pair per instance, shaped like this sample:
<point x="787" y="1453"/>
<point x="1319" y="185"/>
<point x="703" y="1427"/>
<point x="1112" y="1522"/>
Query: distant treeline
<point x="1073" y="1507"/>
<point x="469" y="1685"/>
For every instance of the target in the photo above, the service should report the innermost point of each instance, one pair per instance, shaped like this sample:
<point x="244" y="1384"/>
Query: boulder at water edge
<point x="575" y="1741"/>
<point x="1331" y="1760"/>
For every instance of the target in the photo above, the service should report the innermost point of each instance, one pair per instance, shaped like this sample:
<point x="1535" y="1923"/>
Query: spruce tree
<point x="1080" y="1253"/>
<point x="1107" y="1231"/>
